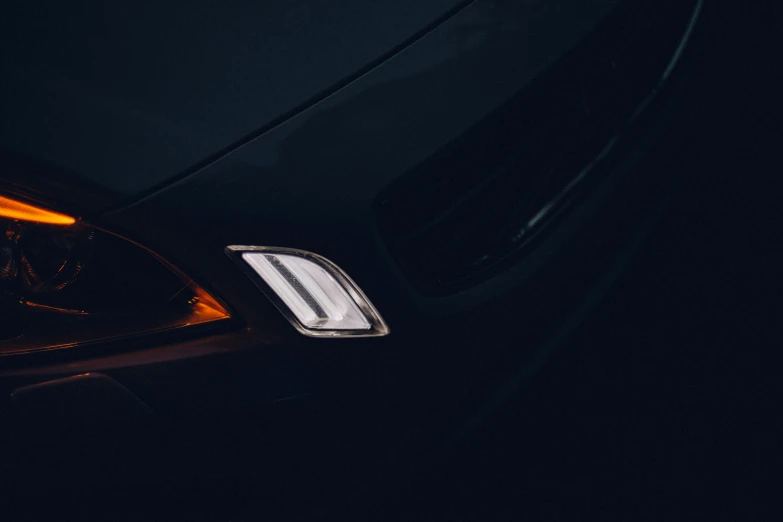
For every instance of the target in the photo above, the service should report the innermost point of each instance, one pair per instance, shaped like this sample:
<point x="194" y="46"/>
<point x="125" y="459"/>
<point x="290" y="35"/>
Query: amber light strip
<point x="10" y="208"/>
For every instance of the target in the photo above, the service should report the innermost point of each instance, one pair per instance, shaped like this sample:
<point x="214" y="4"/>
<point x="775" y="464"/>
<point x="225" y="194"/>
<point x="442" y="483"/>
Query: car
<point x="312" y="242"/>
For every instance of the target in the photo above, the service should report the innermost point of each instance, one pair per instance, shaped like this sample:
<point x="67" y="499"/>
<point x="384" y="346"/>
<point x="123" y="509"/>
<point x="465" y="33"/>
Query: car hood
<point x="102" y="105"/>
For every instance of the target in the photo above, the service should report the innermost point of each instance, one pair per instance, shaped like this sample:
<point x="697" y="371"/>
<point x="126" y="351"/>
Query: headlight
<point x="317" y="296"/>
<point x="64" y="283"/>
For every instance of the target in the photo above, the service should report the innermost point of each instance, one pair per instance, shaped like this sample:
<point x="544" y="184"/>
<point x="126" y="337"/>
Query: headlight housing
<point x="65" y="283"/>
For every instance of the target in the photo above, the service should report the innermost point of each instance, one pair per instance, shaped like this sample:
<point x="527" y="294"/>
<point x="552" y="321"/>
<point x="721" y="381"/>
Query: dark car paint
<point x="334" y="158"/>
<point x="121" y="108"/>
<point x="310" y="183"/>
<point x="287" y="189"/>
<point x="127" y="95"/>
<point x="291" y="187"/>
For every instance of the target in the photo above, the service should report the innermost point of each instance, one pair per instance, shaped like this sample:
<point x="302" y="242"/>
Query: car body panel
<point x="126" y="95"/>
<point x="311" y="182"/>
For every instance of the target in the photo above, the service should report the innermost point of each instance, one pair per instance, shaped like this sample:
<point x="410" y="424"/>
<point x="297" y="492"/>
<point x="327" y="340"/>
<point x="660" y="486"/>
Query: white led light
<point x="316" y="296"/>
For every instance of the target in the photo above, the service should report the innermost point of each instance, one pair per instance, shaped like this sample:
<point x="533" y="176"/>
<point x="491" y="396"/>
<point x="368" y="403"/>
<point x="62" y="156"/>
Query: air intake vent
<point x="468" y="212"/>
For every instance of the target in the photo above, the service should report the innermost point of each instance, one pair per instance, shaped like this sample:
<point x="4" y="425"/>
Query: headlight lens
<point x="317" y="296"/>
<point x="64" y="283"/>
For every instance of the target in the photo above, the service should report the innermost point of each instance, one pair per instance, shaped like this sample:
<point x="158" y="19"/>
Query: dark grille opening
<point x="464" y="214"/>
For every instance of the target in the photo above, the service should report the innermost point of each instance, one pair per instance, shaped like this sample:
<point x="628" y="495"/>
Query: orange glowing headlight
<point x="12" y="209"/>
<point x="64" y="286"/>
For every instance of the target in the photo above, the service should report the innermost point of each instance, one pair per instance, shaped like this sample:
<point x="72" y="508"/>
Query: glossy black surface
<point x="126" y="95"/>
<point x="474" y="205"/>
<point x="283" y="412"/>
<point x="311" y="183"/>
